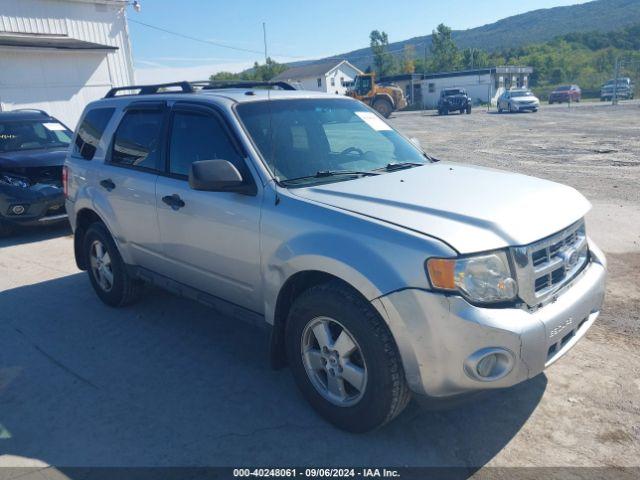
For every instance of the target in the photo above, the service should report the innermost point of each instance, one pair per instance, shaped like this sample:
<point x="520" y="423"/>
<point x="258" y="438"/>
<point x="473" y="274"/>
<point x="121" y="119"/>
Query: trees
<point x="382" y="59"/>
<point x="258" y="72"/>
<point x="445" y="53"/>
<point x="408" y="59"/>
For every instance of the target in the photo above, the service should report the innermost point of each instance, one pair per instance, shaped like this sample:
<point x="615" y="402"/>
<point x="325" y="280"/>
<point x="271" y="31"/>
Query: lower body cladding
<point x="36" y="205"/>
<point x="450" y="347"/>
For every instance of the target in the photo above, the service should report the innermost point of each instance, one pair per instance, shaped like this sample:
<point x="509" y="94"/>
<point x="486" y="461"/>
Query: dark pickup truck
<point x="33" y="146"/>
<point x="454" y="100"/>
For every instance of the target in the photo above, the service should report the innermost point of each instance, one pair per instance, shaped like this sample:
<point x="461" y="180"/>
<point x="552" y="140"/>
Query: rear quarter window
<point x="90" y="132"/>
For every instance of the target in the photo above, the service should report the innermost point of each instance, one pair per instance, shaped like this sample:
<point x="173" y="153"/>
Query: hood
<point x="524" y="98"/>
<point x="472" y="209"/>
<point x="32" y="158"/>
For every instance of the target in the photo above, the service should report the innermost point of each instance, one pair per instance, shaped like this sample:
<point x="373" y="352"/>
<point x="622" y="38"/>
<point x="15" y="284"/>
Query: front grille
<point x="545" y="266"/>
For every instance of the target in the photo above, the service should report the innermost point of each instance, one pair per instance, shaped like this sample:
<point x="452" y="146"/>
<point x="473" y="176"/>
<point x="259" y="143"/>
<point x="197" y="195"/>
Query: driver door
<point x="210" y="240"/>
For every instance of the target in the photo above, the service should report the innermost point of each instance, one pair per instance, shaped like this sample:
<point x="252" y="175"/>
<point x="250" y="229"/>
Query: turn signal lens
<point x="442" y="273"/>
<point x="65" y="181"/>
<point x="483" y="278"/>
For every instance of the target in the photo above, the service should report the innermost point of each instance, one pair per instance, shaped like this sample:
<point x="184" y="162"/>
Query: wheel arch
<point x="292" y="288"/>
<point x="84" y="219"/>
<point x="383" y="97"/>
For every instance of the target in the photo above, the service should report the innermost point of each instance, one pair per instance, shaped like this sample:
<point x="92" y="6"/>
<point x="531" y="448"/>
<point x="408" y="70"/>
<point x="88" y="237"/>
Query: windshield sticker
<point x="54" y="127"/>
<point x="373" y="121"/>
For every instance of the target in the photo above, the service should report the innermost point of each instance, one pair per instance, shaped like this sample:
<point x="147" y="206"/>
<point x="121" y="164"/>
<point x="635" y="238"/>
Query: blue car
<point x="33" y="146"/>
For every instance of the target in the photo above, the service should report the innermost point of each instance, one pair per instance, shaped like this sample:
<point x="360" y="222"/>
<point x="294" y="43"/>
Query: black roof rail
<point x="216" y="84"/>
<point x="150" y="89"/>
<point x="31" y="110"/>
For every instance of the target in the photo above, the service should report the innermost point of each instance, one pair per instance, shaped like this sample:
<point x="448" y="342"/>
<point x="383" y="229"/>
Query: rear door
<point x="126" y="183"/>
<point x="211" y="240"/>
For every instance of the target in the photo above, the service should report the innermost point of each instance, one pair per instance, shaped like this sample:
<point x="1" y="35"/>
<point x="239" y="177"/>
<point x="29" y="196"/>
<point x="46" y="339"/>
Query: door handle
<point x="174" y="201"/>
<point x="107" y="184"/>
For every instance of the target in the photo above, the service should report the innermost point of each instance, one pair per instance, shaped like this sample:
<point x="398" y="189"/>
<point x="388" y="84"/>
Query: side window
<point x="196" y="136"/>
<point x="90" y="132"/>
<point x="137" y="140"/>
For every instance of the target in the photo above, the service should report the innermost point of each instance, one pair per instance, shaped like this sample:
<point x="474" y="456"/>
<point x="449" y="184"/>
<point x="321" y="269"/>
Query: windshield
<point x="521" y="93"/>
<point x="301" y="137"/>
<point x="564" y="88"/>
<point x="32" y="135"/>
<point x="455" y="91"/>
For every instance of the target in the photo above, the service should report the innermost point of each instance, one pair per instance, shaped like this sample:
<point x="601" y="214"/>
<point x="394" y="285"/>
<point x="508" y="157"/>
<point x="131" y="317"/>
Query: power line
<point x="249" y="50"/>
<point x="202" y="40"/>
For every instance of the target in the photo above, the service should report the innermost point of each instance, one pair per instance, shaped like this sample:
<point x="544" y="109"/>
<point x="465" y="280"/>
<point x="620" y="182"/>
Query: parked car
<point x="379" y="272"/>
<point x="454" y="100"/>
<point x="623" y="86"/>
<point x="518" y="100"/>
<point x="33" y="146"/>
<point x="565" y="94"/>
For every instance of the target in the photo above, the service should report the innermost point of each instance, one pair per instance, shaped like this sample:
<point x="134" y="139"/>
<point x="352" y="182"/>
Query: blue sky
<point x="300" y="29"/>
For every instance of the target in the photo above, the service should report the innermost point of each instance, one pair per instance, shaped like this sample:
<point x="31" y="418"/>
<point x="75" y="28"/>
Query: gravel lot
<point x="167" y="382"/>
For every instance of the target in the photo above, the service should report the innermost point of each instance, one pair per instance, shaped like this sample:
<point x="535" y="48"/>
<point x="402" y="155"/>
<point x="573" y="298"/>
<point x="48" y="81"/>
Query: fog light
<point x="17" y="209"/>
<point x="486" y="365"/>
<point x="489" y="364"/>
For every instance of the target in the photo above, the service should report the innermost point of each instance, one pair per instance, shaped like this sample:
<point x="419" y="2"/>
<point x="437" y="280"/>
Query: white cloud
<point x="164" y="74"/>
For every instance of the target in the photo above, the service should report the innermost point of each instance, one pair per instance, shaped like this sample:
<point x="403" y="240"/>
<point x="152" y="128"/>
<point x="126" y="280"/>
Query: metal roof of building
<point x="60" y="42"/>
<point x="311" y="70"/>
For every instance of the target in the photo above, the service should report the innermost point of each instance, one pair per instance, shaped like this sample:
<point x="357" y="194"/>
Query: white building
<point x="330" y="76"/>
<point x="58" y="55"/>
<point x="484" y="85"/>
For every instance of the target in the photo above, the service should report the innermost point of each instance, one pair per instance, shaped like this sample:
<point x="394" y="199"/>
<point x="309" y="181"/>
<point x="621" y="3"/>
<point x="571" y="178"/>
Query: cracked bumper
<point x="437" y="334"/>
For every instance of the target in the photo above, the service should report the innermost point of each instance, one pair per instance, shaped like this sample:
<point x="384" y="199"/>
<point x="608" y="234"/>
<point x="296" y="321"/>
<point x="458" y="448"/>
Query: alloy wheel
<point x="101" y="265"/>
<point x="333" y="361"/>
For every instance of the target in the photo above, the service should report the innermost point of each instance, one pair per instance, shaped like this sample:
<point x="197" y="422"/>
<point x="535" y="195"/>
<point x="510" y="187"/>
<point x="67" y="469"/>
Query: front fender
<point x="354" y="262"/>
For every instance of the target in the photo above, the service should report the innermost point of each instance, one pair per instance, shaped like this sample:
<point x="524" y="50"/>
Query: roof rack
<point x="31" y="110"/>
<point x="188" y="87"/>
<point x="217" y="84"/>
<point x="150" y="89"/>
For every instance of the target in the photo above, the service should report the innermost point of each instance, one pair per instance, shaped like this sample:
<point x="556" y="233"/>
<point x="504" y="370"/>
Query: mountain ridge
<point x="535" y="26"/>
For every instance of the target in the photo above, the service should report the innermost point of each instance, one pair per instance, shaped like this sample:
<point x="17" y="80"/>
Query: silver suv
<point x="379" y="271"/>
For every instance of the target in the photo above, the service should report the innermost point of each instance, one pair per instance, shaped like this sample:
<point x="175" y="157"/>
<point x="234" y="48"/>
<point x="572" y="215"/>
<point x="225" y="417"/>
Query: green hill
<point x="537" y="26"/>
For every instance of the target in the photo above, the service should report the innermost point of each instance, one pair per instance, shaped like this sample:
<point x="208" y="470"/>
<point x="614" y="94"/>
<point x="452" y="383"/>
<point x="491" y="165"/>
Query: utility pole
<point x="614" y="97"/>
<point x="264" y="36"/>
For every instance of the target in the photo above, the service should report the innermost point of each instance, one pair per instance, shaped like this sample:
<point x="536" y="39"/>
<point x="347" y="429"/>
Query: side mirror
<point x="217" y="176"/>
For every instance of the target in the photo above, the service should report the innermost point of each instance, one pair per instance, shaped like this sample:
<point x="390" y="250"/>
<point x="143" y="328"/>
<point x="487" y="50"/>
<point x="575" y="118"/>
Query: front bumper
<point x="526" y="107"/>
<point x="438" y="336"/>
<point x="43" y="204"/>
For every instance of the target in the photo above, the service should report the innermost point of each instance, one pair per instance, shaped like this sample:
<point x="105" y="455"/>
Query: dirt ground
<point x="167" y="382"/>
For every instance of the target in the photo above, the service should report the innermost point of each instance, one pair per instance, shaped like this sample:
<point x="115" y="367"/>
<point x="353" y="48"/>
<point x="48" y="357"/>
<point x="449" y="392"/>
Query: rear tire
<point x="358" y="382"/>
<point x="107" y="271"/>
<point x="383" y="107"/>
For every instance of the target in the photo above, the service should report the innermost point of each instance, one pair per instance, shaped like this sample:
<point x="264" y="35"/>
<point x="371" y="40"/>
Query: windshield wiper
<point x="331" y="173"/>
<point x="391" y="167"/>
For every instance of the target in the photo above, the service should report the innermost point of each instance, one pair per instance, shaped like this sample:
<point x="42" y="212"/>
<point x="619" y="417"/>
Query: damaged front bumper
<point x="35" y="205"/>
<point x="443" y="340"/>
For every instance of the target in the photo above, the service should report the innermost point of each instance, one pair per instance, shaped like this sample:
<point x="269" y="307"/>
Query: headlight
<point x="14" y="181"/>
<point x="484" y="278"/>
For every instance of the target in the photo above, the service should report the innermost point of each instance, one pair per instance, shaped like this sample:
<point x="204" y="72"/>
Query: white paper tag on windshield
<point x="373" y="121"/>
<point x="54" y="127"/>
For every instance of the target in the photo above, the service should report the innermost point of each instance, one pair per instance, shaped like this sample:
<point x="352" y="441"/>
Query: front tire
<point x="383" y="107"/>
<point x="468" y="110"/>
<point x="344" y="359"/>
<point x="107" y="271"/>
